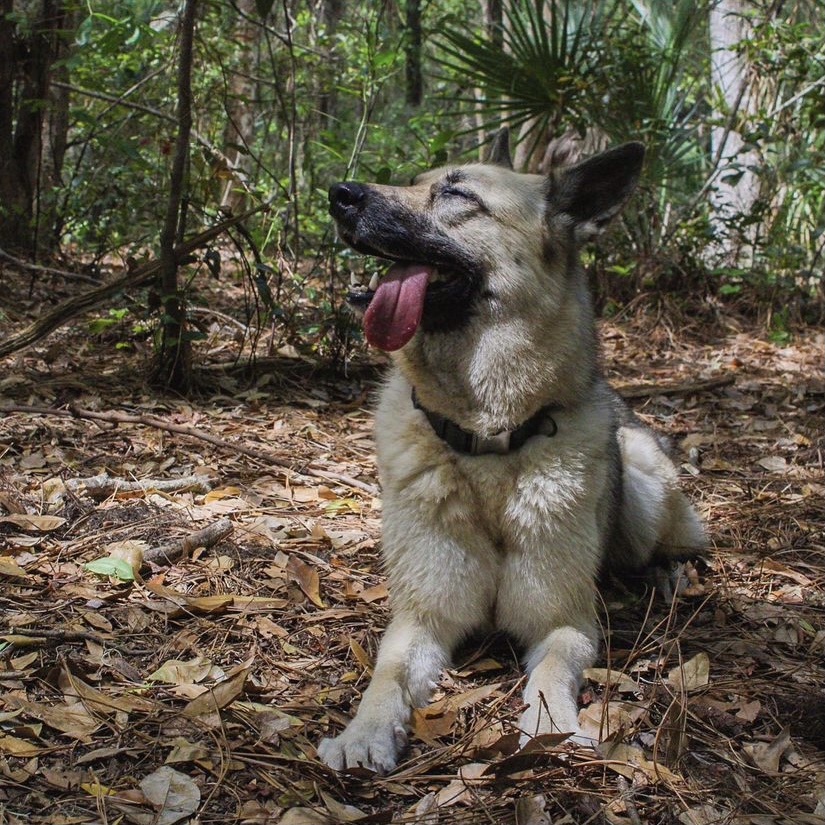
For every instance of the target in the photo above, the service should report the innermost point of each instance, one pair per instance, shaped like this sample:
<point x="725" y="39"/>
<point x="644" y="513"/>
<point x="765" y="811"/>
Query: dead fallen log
<point x="137" y="277"/>
<point x="104" y="485"/>
<point x="116" y="417"/>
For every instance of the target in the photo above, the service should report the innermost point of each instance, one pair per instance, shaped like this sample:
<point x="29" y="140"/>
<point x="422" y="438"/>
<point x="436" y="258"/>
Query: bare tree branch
<point x="140" y="276"/>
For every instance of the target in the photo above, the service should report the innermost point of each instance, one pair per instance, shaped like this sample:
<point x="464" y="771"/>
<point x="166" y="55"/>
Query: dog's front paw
<point x="373" y="747"/>
<point x="538" y="720"/>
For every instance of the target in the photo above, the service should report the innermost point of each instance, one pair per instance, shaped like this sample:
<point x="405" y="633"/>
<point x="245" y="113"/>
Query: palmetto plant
<point x="548" y="67"/>
<point x="626" y="68"/>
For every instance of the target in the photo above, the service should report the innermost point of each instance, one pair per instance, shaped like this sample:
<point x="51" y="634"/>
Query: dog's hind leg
<point x="409" y="661"/>
<point x="657" y="521"/>
<point x="555" y="666"/>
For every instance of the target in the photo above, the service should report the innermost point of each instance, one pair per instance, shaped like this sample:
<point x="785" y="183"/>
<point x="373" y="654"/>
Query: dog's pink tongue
<point x="395" y="310"/>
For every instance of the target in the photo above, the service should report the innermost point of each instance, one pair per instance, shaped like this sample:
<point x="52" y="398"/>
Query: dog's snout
<point x="346" y="195"/>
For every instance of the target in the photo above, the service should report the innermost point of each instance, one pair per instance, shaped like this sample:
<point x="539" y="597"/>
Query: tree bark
<point x="174" y="358"/>
<point x="242" y="92"/>
<point x="735" y="190"/>
<point x="412" y="48"/>
<point x="33" y="123"/>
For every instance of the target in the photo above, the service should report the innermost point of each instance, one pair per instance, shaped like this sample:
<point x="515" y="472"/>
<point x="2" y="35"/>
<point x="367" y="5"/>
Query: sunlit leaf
<point x="110" y="566"/>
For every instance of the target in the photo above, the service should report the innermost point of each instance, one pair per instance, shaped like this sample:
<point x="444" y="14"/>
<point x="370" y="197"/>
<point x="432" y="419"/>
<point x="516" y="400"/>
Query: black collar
<point x="464" y="441"/>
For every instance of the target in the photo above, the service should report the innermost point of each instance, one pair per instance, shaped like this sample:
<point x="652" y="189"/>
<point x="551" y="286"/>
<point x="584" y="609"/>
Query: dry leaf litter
<point x="184" y="619"/>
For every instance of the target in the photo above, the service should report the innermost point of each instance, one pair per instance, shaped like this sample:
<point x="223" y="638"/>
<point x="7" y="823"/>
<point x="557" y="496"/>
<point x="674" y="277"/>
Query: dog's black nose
<point x="346" y="195"/>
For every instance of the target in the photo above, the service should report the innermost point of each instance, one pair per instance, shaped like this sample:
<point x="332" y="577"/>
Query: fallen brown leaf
<point x="217" y="697"/>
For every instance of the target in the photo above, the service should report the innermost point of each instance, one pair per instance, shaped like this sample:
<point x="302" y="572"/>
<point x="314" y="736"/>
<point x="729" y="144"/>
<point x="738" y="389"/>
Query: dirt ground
<point x="235" y="599"/>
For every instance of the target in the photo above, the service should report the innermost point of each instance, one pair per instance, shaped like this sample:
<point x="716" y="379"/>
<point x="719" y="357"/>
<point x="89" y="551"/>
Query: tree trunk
<point x="736" y="185"/>
<point x="174" y="367"/>
<point x="33" y="122"/>
<point x="15" y="206"/>
<point x="492" y="14"/>
<point x="242" y="93"/>
<point x="331" y="13"/>
<point x="54" y="134"/>
<point x="412" y="48"/>
<point x="492" y="17"/>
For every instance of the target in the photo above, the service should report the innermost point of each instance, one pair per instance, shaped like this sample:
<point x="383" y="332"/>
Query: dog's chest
<point x="507" y="500"/>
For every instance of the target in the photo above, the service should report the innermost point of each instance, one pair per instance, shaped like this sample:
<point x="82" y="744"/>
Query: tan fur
<point x="514" y="541"/>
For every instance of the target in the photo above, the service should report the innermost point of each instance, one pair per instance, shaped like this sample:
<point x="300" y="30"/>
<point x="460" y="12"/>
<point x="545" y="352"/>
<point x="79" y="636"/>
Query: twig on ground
<point x="48" y="270"/>
<point x="104" y="485"/>
<point x="264" y="456"/>
<point x="60" y="636"/>
<point x="195" y="310"/>
<point x="647" y="391"/>
<point x="170" y="553"/>
<point x="627" y="795"/>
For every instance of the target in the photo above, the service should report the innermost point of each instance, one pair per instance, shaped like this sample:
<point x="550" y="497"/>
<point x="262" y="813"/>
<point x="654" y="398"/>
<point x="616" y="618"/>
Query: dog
<point x="512" y="474"/>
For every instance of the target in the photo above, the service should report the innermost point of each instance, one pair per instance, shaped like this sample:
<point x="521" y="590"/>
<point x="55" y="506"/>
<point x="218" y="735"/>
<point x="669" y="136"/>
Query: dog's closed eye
<point x="456" y="192"/>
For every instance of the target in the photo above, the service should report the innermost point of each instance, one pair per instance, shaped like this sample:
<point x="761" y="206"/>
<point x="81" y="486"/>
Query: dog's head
<point x="460" y="236"/>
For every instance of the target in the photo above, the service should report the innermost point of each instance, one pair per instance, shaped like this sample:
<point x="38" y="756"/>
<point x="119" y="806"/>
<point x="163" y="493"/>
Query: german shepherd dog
<point x="512" y="473"/>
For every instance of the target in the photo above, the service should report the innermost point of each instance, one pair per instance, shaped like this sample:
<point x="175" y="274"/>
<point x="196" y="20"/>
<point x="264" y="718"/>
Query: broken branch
<point x="139" y="276"/>
<point x="170" y="553"/>
<point x="104" y="485"/>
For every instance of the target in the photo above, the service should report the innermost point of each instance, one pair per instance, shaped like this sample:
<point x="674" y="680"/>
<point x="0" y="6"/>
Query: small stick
<point x="645" y="391"/>
<point x="104" y="485"/>
<point x="77" y="276"/>
<point x="170" y="553"/>
<point x="58" y="636"/>
<point x="627" y="794"/>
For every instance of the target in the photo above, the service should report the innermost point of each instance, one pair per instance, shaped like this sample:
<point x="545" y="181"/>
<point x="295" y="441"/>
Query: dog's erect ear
<point x="499" y="151"/>
<point x="592" y="192"/>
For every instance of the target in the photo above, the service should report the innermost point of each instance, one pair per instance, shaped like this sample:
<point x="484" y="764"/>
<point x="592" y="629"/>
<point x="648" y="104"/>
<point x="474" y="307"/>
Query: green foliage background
<point x="330" y="105"/>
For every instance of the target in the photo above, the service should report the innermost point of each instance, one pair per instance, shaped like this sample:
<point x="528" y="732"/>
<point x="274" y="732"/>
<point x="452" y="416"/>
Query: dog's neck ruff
<point x="507" y="441"/>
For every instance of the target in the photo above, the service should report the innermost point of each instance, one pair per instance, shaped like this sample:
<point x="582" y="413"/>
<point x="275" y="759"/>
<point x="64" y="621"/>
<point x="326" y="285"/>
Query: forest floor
<point x="197" y="688"/>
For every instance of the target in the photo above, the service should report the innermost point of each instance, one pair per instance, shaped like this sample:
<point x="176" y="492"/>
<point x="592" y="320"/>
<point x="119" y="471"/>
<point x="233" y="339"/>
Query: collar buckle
<point x="498" y="443"/>
<point x="463" y="441"/>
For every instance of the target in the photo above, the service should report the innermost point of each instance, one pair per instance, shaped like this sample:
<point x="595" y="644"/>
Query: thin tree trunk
<point x="13" y="203"/>
<point x="174" y="368"/>
<point x="54" y="134"/>
<point x="240" y="106"/>
<point x="331" y="13"/>
<point x="415" y="83"/>
<point x="492" y="16"/>
<point x="736" y="188"/>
